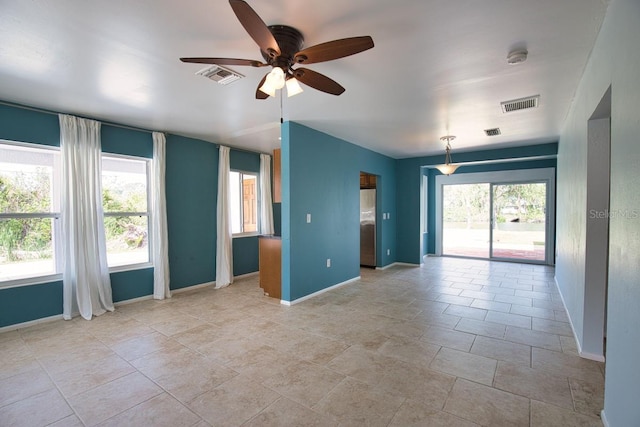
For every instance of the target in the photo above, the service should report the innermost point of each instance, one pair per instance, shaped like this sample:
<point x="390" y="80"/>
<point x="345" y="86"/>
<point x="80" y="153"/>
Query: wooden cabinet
<point x="367" y="180"/>
<point x="277" y="183"/>
<point x="270" y="253"/>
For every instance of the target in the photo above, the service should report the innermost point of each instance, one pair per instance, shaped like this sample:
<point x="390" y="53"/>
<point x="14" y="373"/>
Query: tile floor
<point x="453" y="343"/>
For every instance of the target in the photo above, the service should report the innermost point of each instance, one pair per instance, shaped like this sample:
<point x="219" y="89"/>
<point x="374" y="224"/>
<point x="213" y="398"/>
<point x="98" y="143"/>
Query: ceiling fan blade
<point x="333" y="50"/>
<point x="255" y="26"/>
<point x="260" y="94"/>
<point x="318" y="81"/>
<point x="225" y="61"/>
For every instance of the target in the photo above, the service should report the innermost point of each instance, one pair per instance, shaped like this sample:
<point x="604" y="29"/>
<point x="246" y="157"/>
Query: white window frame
<point x="258" y="201"/>
<point x="148" y="214"/>
<point x="56" y="229"/>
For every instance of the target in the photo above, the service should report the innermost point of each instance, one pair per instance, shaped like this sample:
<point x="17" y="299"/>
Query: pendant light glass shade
<point x="293" y="87"/>
<point x="273" y="82"/>
<point x="448" y="168"/>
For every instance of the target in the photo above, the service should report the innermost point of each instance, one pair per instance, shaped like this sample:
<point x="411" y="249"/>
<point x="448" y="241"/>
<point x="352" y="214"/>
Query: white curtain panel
<point x="86" y="282"/>
<point x="160" y="238"/>
<point x="266" y="208"/>
<point x="224" y="248"/>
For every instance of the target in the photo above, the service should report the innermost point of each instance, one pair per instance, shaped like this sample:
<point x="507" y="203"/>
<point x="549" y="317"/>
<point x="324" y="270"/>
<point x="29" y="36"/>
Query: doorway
<point x="497" y="215"/>
<point x="368" y="219"/>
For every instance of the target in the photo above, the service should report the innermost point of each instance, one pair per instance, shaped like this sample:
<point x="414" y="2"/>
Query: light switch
<point x="308" y="218"/>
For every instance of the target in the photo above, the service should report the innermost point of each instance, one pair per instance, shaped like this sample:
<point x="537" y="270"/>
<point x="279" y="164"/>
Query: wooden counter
<point x="270" y="252"/>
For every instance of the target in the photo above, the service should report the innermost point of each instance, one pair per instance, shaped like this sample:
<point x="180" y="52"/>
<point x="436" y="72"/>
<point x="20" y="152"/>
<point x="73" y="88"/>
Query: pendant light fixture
<point x="448" y="168"/>
<point x="276" y="80"/>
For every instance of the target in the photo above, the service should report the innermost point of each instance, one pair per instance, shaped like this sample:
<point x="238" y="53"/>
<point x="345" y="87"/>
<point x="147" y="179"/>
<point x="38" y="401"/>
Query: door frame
<point x="519" y="176"/>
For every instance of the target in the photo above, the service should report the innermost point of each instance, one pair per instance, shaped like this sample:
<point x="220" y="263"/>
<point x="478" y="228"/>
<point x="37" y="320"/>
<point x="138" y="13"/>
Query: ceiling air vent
<point x="520" y="104"/>
<point x="220" y="75"/>
<point x="492" y="132"/>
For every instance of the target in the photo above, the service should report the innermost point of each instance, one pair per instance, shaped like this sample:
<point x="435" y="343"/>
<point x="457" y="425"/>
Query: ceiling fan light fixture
<point x="448" y="168"/>
<point x="273" y="82"/>
<point x="293" y="87"/>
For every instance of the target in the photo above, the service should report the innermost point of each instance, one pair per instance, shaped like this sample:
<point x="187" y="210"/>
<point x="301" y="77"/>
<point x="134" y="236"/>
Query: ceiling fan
<point x="280" y="47"/>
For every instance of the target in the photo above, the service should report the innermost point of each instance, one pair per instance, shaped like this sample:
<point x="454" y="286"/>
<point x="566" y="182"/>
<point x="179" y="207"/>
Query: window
<point x="29" y="212"/>
<point x="243" y="196"/>
<point x="126" y="209"/>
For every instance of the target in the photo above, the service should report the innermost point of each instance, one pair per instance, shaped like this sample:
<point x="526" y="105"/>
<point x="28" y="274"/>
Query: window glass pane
<point x="127" y="240"/>
<point x="234" y="200"/>
<point x="124" y="185"/>
<point x="249" y="203"/>
<point x="26" y="247"/>
<point x="26" y="180"/>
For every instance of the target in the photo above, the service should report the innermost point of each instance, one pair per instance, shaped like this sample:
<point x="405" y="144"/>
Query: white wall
<point x="615" y="62"/>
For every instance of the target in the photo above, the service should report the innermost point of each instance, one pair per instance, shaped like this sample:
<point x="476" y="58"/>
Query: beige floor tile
<point x="233" y="402"/>
<point x="509" y="319"/>
<point x="37" y="410"/>
<point x="533" y="338"/>
<point x="453" y="299"/>
<point x="487" y="406"/>
<point x="479" y="327"/>
<point x="534" y="384"/>
<point x="176" y="324"/>
<point x="491" y="305"/>
<point x="90" y="374"/>
<point x="542" y="313"/>
<point x="365" y="365"/>
<point x="190" y="381"/>
<point x="545" y="415"/>
<point x="136" y="347"/>
<point x="166" y="362"/>
<point x="411" y="382"/>
<point x="413" y="351"/>
<point x="449" y="338"/>
<point x="413" y="413"/>
<point x="588" y="398"/>
<point x="519" y="354"/>
<point x="70" y="421"/>
<point x="552" y="327"/>
<point x="21" y="386"/>
<point x="354" y="403"/>
<point x="465" y="365"/>
<point x="18" y="365"/>
<point x="568" y="345"/>
<point x="159" y="411"/>
<point x="466" y="312"/>
<point x="284" y="412"/>
<point x="567" y="365"/>
<point x="304" y="382"/>
<point x="439" y="320"/>
<point x="114" y="397"/>
<point x="511" y="299"/>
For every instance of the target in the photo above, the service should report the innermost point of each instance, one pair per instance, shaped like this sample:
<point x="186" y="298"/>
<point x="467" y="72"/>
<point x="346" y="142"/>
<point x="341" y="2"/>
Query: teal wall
<point x="321" y="176"/>
<point x="409" y="187"/>
<point x="191" y="191"/>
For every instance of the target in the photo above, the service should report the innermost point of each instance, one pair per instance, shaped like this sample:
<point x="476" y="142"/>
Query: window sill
<point x="28" y="281"/>
<point x="242" y="235"/>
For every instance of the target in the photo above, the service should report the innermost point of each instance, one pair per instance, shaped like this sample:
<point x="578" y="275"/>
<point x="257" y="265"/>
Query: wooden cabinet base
<point x="270" y="252"/>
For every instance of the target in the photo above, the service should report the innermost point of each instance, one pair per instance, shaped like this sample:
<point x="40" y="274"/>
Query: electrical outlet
<point x="328" y="262"/>
<point x="308" y="218"/>
<point x="388" y="251"/>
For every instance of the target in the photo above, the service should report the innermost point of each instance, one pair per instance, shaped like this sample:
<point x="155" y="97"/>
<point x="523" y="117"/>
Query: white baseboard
<point x="30" y="323"/>
<point x="581" y="353"/>
<point x="321" y="291"/>
<point x="191" y="288"/>
<point x="397" y="264"/>
<point x="603" y="418"/>
<point x="132" y="300"/>
<point x="244" y="276"/>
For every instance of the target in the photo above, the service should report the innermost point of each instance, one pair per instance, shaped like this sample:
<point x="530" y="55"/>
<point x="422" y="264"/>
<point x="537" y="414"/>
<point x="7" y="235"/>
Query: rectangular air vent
<point x="520" y="104"/>
<point x="492" y="132"/>
<point x="219" y="74"/>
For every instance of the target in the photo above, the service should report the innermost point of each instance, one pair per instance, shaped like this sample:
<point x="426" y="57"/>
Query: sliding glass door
<point x="466" y="227"/>
<point x="496" y="219"/>
<point x="519" y="221"/>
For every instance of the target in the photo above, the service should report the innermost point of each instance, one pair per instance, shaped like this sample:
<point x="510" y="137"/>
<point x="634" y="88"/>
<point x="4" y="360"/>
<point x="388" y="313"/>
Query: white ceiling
<point x="437" y="67"/>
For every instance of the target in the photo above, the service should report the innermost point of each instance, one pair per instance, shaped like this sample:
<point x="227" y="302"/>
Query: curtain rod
<point x="43" y="110"/>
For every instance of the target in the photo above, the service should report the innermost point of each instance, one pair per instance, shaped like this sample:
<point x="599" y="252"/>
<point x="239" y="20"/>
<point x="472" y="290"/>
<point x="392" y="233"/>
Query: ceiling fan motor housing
<point x="290" y="41"/>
